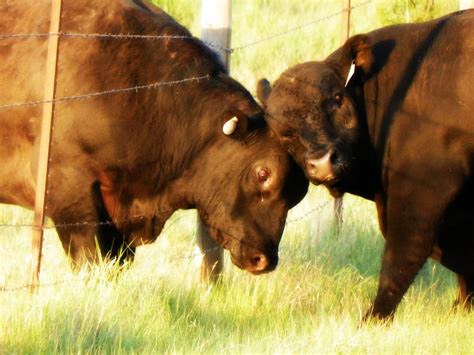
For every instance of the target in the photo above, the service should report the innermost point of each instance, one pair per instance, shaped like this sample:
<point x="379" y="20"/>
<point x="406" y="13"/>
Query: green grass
<point x="255" y="20"/>
<point x="312" y="303"/>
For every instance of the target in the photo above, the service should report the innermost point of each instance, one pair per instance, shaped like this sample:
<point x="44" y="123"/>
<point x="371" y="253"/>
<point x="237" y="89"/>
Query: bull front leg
<point x="76" y="220"/>
<point x="410" y="234"/>
<point x="111" y="240"/>
<point x="113" y="243"/>
<point x="400" y="265"/>
<point x="79" y="243"/>
<point x="212" y="259"/>
<point x="85" y="229"/>
<point x="87" y="243"/>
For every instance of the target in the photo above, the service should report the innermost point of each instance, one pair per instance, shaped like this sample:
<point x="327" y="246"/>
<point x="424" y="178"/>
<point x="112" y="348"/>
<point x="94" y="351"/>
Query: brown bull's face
<point x="249" y="186"/>
<point x="316" y="121"/>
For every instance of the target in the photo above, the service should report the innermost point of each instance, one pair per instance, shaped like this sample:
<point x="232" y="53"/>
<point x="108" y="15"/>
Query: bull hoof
<point x="373" y="316"/>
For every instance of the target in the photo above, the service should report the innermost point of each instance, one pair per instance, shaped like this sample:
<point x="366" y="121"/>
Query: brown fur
<point x="134" y="158"/>
<point x="402" y="135"/>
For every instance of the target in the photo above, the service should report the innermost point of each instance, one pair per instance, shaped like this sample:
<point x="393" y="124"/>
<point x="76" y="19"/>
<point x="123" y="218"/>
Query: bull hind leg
<point x="111" y="241"/>
<point x="212" y="261"/>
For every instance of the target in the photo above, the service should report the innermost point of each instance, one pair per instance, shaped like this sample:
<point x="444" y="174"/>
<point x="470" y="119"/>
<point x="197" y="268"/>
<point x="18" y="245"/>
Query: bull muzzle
<point x="321" y="170"/>
<point x="262" y="263"/>
<point x="256" y="263"/>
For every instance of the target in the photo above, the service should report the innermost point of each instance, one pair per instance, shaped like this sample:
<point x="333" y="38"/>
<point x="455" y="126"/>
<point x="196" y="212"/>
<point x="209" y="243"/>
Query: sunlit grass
<point x="313" y="302"/>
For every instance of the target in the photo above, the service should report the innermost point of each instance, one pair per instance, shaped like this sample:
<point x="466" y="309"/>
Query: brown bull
<point x="122" y="163"/>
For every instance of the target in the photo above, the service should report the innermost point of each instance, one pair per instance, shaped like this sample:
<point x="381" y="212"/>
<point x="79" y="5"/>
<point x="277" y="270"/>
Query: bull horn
<point x="350" y="74"/>
<point x="230" y="126"/>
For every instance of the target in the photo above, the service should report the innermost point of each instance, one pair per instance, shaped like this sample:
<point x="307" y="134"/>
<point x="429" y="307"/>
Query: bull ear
<point x="355" y="54"/>
<point x="264" y="89"/>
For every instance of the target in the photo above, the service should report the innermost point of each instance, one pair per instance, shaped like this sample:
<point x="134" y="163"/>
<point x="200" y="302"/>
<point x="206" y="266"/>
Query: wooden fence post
<point x="345" y="20"/>
<point x="45" y="141"/>
<point x="216" y="31"/>
<point x="345" y="32"/>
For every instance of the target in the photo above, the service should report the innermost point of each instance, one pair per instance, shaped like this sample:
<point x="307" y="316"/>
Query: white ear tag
<point x="350" y="74"/>
<point x="229" y="127"/>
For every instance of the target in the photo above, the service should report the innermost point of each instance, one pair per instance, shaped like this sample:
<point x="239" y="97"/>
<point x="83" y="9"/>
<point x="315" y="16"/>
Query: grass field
<point x="312" y="303"/>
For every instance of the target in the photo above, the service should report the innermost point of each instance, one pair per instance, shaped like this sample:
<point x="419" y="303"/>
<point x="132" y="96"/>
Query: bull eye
<point x="262" y="175"/>
<point x="338" y="97"/>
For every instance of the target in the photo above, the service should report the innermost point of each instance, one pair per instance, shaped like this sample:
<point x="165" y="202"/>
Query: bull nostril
<point x="312" y="165"/>
<point x="260" y="262"/>
<point x="333" y="157"/>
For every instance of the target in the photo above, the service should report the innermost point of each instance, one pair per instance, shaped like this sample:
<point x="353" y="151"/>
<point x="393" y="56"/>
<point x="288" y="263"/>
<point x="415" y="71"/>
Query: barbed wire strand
<point x="140" y="216"/>
<point x="297" y="28"/>
<point x="179" y="37"/>
<point x="103" y="93"/>
<point x="107" y="36"/>
<point x="136" y="88"/>
<point x="168" y="227"/>
<point x="149" y="37"/>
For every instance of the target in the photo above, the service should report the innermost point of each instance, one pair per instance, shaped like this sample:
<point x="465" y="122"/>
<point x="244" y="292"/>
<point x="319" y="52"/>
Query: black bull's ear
<point x="357" y="50"/>
<point x="238" y="125"/>
<point x="264" y="89"/>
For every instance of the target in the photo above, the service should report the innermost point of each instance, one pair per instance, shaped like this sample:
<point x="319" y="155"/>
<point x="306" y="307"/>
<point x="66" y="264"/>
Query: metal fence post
<point x="216" y="27"/>
<point x="45" y="141"/>
<point x="466" y="4"/>
<point x="216" y="30"/>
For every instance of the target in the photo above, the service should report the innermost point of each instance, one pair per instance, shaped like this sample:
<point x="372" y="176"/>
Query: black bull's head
<point x="312" y="109"/>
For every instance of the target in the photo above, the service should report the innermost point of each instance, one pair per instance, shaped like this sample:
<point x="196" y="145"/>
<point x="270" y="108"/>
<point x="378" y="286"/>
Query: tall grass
<point x="312" y="303"/>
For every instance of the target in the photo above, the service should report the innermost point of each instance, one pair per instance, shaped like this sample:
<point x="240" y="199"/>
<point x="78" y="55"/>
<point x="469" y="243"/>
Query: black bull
<point x="399" y="132"/>
<point x="121" y="164"/>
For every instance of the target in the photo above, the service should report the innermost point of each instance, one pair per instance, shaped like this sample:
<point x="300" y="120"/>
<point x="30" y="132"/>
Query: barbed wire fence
<point x="168" y="228"/>
<point x="136" y="88"/>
